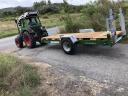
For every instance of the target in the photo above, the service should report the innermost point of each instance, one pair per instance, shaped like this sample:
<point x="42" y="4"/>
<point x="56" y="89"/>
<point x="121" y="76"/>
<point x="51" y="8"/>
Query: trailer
<point x="69" y="41"/>
<point x="110" y="37"/>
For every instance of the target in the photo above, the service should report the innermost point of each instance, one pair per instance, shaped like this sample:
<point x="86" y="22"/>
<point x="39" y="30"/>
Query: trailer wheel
<point x="29" y="40"/>
<point x="19" y="42"/>
<point x="68" y="46"/>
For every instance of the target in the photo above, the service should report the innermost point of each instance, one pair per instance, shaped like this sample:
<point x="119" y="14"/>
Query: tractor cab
<point x="30" y="30"/>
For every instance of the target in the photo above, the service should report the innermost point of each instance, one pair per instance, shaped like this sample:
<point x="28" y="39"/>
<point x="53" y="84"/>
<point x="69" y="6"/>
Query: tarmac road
<point x="101" y="63"/>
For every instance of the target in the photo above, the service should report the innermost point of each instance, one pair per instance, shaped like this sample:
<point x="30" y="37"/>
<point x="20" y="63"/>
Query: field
<point x="17" y="78"/>
<point x="8" y="26"/>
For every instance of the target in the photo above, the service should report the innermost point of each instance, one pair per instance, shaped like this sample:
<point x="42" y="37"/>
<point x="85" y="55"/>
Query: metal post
<point x="112" y="26"/>
<point x="107" y="25"/>
<point x="122" y="22"/>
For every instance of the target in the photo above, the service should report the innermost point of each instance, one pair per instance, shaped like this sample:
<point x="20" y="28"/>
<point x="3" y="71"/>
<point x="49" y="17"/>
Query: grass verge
<point x="8" y="33"/>
<point x="17" y="78"/>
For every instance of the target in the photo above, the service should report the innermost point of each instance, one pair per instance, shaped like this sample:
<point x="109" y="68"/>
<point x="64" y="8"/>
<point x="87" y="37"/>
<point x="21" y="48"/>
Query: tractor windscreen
<point x="34" y="24"/>
<point x="33" y="21"/>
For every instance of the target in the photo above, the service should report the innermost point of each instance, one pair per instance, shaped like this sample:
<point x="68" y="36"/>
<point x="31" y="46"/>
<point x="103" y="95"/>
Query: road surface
<point x="103" y="64"/>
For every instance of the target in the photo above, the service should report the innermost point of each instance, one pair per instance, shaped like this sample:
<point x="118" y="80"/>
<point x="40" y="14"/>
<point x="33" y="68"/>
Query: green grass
<point x="7" y="28"/>
<point x="6" y="64"/>
<point x="17" y="78"/>
<point x="8" y="33"/>
<point x="51" y="20"/>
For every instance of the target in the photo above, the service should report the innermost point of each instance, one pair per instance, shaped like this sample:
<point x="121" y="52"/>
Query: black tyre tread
<point x="20" y="41"/>
<point x="46" y="33"/>
<point x="33" y="42"/>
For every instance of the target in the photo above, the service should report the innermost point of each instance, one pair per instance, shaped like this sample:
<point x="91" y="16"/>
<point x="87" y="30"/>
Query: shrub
<point x="17" y="78"/>
<point x="72" y="26"/>
<point x="6" y="64"/>
<point x="29" y="76"/>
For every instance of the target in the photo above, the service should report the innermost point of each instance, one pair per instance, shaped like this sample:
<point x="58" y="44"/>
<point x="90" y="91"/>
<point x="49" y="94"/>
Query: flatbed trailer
<point x="107" y="38"/>
<point x="87" y="38"/>
<point x="70" y="40"/>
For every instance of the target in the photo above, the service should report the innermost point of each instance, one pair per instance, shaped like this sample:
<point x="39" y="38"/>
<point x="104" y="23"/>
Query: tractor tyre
<point x="19" y="42"/>
<point x="29" y="40"/>
<point x="68" y="46"/>
<point x="46" y="33"/>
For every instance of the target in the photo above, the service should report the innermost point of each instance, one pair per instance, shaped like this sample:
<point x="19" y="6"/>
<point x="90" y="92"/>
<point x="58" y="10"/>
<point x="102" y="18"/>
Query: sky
<point x="28" y="3"/>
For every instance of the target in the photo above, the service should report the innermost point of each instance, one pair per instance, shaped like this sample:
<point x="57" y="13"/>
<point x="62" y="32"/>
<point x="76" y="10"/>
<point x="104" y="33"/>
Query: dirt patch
<point x="54" y="84"/>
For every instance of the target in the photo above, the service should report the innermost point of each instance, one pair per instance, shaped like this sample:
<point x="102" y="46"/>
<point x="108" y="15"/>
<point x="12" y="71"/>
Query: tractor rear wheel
<point x="29" y="40"/>
<point x="19" y="42"/>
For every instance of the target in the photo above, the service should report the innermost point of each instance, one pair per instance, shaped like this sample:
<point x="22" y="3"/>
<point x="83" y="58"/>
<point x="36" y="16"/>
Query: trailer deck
<point x="82" y="36"/>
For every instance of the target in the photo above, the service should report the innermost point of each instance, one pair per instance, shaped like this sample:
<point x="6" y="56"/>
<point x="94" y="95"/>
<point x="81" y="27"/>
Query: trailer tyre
<point x="19" y="42"/>
<point x="68" y="46"/>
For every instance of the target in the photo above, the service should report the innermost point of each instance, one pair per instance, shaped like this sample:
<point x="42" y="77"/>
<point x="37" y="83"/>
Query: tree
<point x="21" y="10"/>
<point x="66" y="6"/>
<point x="39" y="5"/>
<point x="97" y="12"/>
<point x="49" y="2"/>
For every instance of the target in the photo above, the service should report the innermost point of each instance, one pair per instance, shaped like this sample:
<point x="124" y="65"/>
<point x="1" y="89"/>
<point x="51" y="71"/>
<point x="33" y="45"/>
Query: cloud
<point x="24" y="3"/>
<point x="8" y="3"/>
<point x="14" y="3"/>
<point x="79" y="2"/>
<point x="58" y="1"/>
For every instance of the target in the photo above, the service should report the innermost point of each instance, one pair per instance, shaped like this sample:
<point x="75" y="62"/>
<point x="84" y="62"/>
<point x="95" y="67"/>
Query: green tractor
<point x="30" y="30"/>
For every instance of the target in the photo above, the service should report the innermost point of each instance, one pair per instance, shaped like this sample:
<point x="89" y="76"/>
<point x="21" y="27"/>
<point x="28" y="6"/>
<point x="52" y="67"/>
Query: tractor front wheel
<point x="19" y="42"/>
<point x="29" y="40"/>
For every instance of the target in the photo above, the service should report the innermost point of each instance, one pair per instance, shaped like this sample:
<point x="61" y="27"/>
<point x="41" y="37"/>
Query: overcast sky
<point x="13" y="3"/>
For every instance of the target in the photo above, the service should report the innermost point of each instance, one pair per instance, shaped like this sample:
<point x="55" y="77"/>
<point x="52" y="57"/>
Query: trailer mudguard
<point x="71" y="37"/>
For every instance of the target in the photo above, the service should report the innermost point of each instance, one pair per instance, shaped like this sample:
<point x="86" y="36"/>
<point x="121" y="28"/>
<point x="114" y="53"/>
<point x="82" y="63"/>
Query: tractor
<point x="30" y="30"/>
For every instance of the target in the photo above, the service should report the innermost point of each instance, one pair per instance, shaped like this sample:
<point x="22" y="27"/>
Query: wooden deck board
<point x="90" y="35"/>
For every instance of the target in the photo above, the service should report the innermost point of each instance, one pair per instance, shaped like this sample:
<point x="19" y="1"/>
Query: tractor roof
<point x="28" y="15"/>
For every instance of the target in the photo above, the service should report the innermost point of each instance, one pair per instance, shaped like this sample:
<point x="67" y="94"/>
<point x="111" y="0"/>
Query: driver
<point x="31" y="23"/>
